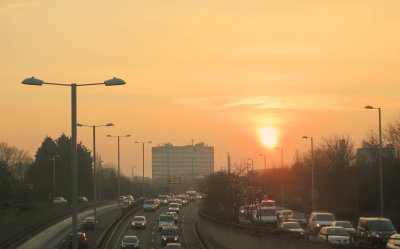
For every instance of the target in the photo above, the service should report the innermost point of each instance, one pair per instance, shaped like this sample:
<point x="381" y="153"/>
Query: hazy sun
<point x="268" y="136"/>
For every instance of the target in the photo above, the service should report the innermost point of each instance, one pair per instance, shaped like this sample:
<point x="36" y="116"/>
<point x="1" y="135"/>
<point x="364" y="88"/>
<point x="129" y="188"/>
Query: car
<point x="149" y="205"/>
<point x="296" y="231"/>
<point x="139" y="222"/>
<point x="346" y="225"/>
<point x="173" y="207"/>
<point x="179" y="201"/>
<point x="165" y="220"/>
<point x="318" y="220"/>
<point x="82" y="240"/>
<point x="284" y="215"/>
<point x="176" y="216"/>
<point x="184" y="199"/>
<point x="130" y="198"/>
<point x="334" y="235"/>
<point x="125" y="203"/>
<point x="164" y="199"/>
<point x="121" y="198"/>
<point x="169" y="234"/>
<point x="130" y="241"/>
<point x="82" y="200"/>
<point x="173" y="246"/>
<point x="299" y="218"/>
<point x="89" y="223"/>
<point x="191" y="194"/>
<point x="267" y="216"/>
<point x="394" y="241"/>
<point x="374" y="231"/>
<point x="60" y="201"/>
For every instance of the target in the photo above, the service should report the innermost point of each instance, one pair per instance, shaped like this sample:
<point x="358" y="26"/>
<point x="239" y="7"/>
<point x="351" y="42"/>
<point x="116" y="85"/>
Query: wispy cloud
<point x="301" y="102"/>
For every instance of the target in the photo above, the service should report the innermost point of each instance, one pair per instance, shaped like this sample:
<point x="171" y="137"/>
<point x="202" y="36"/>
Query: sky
<point x="216" y="71"/>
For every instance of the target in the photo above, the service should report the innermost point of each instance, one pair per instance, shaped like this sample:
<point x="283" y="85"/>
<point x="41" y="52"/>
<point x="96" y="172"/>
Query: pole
<point x="133" y="180"/>
<point x="282" y="190"/>
<point x="54" y="178"/>
<point x="74" y="168"/>
<point x="94" y="185"/>
<point x="143" y="190"/>
<point x="192" y="162"/>
<point x="119" y="183"/>
<point x="380" y="162"/>
<point x="312" y="176"/>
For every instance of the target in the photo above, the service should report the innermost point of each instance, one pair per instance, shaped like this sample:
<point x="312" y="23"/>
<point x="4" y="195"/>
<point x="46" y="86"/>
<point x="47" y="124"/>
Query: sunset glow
<point x="268" y="136"/>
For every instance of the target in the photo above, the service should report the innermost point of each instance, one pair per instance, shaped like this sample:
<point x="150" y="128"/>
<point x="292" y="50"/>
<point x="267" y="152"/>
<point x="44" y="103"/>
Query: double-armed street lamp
<point x="94" y="171"/>
<point x="143" y="142"/>
<point x="380" y="155"/>
<point x="313" y="201"/>
<point x="119" y="176"/>
<point x="74" y="160"/>
<point x="282" y="175"/>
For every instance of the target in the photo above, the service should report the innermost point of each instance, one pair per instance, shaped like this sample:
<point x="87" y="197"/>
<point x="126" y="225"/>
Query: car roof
<point x="374" y="218"/>
<point x="318" y="212"/>
<point x="139" y="216"/>
<point x="130" y="236"/>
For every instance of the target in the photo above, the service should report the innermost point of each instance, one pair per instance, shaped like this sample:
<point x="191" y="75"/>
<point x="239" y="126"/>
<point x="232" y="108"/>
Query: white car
<point x="334" y="235"/>
<point x="268" y="216"/>
<point x="174" y="207"/>
<point x="60" y="201"/>
<point x="346" y="225"/>
<point x="320" y="219"/>
<point x="394" y="241"/>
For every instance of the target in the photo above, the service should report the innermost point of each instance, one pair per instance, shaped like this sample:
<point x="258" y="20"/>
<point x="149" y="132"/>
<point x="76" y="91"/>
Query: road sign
<point x="174" y="180"/>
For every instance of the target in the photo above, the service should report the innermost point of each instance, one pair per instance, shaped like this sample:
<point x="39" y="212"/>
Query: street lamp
<point x="133" y="179"/>
<point x="282" y="189"/>
<point x="94" y="172"/>
<point x="119" y="183"/>
<point x="141" y="142"/>
<point x="313" y="201"/>
<point x="74" y="160"/>
<point x="265" y="160"/>
<point x="380" y="155"/>
<point x="252" y="164"/>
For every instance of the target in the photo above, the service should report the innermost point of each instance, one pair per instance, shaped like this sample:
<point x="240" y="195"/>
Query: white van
<point x="268" y="216"/>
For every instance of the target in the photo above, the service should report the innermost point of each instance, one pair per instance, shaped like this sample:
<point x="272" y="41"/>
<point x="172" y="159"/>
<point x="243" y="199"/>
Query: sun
<point x="268" y="136"/>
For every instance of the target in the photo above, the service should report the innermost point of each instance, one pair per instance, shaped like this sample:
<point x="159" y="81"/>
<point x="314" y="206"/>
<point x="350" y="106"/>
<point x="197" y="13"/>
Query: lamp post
<point x="138" y="142"/>
<point x="252" y="164"/>
<point x="54" y="176"/>
<point x="74" y="160"/>
<point x="380" y="155"/>
<point x="101" y="179"/>
<point x="94" y="173"/>
<point x="282" y="188"/>
<point x="313" y="201"/>
<point x="133" y="179"/>
<point x="119" y="175"/>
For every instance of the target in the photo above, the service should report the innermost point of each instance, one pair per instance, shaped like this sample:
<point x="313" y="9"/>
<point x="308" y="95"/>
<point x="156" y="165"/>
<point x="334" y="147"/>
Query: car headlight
<point x="163" y="237"/>
<point x="176" y="238"/>
<point x="318" y="225"/>
<point x="375" y="234"/>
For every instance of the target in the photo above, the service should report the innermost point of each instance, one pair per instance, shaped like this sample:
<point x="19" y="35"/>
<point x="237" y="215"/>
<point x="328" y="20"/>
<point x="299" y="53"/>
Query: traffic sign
<point x="174" y="180"/>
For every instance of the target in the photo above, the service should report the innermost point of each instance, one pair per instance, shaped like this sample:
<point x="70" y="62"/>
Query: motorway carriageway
<point x="57" y="236"/>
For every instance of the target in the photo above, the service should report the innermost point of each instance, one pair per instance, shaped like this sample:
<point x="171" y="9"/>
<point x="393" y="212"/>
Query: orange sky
<point x="216" y="71"/>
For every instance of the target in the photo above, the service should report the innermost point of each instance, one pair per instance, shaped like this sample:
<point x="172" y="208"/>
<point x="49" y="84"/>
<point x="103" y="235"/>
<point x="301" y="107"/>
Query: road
<point x="151" y="237"/>
<point x="56" y="237"/>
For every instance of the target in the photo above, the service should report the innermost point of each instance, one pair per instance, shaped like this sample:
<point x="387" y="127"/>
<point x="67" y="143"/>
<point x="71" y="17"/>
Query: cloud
<point x="300" y="102"/>
<point x="18" y="5"/>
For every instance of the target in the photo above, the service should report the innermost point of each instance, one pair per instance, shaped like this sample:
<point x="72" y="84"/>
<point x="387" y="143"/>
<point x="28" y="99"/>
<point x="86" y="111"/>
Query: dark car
<point x="169" y="234"/>
<point x="374" y="231"/>
<point x="82" y="241"/>
<point x="129" y="242"/>
<point x="89" y="223"/>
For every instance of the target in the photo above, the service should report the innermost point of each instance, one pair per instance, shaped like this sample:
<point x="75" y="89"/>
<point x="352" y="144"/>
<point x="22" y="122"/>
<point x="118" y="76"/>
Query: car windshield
<point x="89" y="219"/>
<point x="292" y="225"/>
<point x="162" y="197"/>
<point x="337" y="231"/>
<point x="170" y="232"/>
<point x="174" y="205"/>
<point x="268" y="212"/>
<point x="167" y="218"/>
<point x="286" y="213"/>
<point x="381" y="225"/>
<point x="173" y="247"/>
<point x="325" y="217"/>
<point x="130" y="239"/>
<point x="268" y="204"/>
<point x="344" y="224"/>
<point x="298" y="216"/>
<point x="149" y="202"/>
<point x="138" y="219"/>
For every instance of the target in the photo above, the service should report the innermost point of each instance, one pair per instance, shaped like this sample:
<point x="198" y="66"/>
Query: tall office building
<point x="185" y="162"/>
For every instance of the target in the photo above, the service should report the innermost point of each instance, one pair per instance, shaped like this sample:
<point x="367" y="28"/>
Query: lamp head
<point x="32" y="81"/>
<point x="149" y="142"/>
<point x="114" y="82"/>
<point x="368" y="107"/>
<point x="305" y="137"/>
<point x="109" y="136"/>
<point x="110" y="124"/>
<point x="78" y="124"/>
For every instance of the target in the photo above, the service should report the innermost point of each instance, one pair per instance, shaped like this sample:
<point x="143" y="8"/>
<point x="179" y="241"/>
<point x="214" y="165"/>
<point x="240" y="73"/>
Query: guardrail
<point x="108" y="234"/>
<point x="18" y="238"/>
